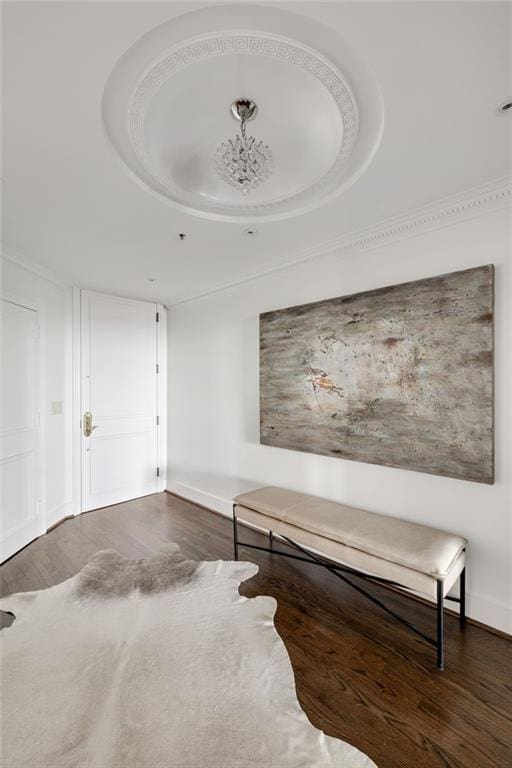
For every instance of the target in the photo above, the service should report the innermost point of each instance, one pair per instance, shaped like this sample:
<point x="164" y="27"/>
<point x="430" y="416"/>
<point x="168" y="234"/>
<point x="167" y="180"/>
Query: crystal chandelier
<point x="242" y="161"/>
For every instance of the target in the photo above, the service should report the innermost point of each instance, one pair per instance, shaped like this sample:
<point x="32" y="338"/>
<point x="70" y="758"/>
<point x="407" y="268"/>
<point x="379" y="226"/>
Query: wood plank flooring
<point x="359" y="676"/>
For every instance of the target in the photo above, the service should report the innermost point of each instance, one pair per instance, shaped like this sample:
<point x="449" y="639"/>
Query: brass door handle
<point x="88" y="426"/>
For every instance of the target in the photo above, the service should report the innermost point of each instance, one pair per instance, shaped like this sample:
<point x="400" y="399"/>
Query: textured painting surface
<point x="400" y="376"/>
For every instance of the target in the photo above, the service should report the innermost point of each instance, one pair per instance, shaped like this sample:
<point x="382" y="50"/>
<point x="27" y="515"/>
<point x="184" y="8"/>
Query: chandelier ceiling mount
<point x="244" y="110"/>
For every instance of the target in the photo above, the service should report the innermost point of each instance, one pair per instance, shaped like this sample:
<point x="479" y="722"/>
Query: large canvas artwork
<point x="400" y="376"/>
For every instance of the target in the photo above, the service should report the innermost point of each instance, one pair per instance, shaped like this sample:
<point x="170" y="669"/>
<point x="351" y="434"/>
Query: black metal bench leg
<point x="338" y="570"/>
<point x="440" y="624"/>
<point x="235" y="533"/>
<point x="462" y="588"/>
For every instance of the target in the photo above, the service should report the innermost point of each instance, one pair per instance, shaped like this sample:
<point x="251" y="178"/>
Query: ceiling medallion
<point x="254" y="46"/>
<point x="243" y="162"/>
<point x="320" y="113"/>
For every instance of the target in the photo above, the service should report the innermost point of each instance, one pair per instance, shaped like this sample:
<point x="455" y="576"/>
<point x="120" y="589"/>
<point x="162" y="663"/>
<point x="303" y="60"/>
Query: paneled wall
<point x="53" y="303"/>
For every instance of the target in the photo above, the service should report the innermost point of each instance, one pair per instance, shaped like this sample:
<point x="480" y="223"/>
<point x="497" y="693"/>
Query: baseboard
<point x="56" y="515"/>
<point x="482" y="611"/>
<point x="59" y="522"/>
<point x="491" y="614"/>
<point x="204" y="499"/>
<point x="219" y="497"/>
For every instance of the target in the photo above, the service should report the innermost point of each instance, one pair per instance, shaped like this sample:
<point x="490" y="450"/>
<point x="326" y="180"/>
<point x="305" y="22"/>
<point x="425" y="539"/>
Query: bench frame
<point x="340" y="572"/>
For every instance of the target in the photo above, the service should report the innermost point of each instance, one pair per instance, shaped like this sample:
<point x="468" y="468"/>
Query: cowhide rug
<point x="156" y="663"/>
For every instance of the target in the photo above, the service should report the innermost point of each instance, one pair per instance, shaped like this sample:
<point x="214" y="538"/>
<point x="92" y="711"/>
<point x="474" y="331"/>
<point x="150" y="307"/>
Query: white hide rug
<point x="156" y="663"/>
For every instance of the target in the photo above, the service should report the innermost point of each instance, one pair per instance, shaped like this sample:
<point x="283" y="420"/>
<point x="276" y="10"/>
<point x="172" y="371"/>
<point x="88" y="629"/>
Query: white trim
<point x="68" y="396"/>
<point x="10" y="254"/>
<point x="161" y="330"/>
<point x="57" y="514"/>
<point x="204" y="498"/>
<point x="471" y="204"/>
<point x="76" y="406"/>
<point x="17" y="298"/>
<point x="115" y="297"/>
<point x="488" y="611"/>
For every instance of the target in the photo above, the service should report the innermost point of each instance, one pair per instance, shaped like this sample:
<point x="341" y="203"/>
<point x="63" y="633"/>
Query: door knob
<point x="88" y="426"/>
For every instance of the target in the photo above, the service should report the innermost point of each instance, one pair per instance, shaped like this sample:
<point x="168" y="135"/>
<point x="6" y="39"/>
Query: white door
<point x="119" y="362"/>
<point x="20" y="518"/>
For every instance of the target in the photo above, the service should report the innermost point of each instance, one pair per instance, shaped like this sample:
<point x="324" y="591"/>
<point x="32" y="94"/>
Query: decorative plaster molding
<point x="245" y="43"/>
<point x="277" y="45"/>
<point x="9" y="254"/>
<point x="473" y="203"/>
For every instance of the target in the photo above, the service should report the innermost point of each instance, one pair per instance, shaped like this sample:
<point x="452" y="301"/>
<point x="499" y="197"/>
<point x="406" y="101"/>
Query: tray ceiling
<point x="166" y="109"/>
<point x="82" y="157"/>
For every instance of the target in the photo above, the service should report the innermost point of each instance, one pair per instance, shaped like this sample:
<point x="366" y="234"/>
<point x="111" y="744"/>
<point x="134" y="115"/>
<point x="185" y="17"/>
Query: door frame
<point x="20" y="301"/>
<point x="161" y="430"/>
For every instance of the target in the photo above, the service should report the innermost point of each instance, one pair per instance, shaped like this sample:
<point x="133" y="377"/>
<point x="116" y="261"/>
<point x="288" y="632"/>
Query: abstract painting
<point x="400" y="376"/>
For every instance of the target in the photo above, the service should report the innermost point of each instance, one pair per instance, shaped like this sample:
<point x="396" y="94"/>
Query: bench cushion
<point x="354" y="558"/>
<point x="416" y="547"/>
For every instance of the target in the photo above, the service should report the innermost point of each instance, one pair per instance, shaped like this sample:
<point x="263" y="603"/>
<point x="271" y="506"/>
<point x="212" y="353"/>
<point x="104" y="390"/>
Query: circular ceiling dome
<point x="166" y="108"/>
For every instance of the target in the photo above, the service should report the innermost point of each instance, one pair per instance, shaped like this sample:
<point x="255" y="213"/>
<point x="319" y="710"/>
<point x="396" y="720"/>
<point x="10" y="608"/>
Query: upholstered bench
<point x="346" y="540"/>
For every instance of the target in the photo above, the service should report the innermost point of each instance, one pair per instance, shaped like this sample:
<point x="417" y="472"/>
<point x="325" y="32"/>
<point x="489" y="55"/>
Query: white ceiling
<point x="70" y="204"/>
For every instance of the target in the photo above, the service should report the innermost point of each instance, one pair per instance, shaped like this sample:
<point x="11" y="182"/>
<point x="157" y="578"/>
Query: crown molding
<point x="10" y="254"/>
<point x="473" y="203"/>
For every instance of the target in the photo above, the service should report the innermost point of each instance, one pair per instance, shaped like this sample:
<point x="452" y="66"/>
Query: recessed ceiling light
<point x="250" y="232"/>
<point x="505" y="106"/>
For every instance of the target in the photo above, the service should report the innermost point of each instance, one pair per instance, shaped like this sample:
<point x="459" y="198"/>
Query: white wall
<point x="53" y="303"/>
<point x="213" y="401"/>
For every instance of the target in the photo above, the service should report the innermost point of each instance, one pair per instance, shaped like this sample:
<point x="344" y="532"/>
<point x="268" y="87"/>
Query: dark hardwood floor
<point x="360" y="676"/>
